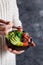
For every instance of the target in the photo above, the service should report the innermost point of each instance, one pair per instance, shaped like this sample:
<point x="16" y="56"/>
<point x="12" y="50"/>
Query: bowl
<point x="14" y="47"/>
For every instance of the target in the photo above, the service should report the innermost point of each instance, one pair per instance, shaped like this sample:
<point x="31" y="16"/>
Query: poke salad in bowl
<point x="18" y="40"/>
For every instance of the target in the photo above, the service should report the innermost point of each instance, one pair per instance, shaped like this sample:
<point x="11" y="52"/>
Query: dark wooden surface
<point x="31" y="15"/>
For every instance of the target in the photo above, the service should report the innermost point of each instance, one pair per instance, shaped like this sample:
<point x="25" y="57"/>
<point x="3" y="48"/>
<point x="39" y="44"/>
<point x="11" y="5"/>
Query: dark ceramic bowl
<point x="14" y="47"/>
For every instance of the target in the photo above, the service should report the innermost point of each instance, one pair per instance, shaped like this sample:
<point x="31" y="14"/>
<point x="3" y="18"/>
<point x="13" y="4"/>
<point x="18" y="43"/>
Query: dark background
<point x="31" y="15"/>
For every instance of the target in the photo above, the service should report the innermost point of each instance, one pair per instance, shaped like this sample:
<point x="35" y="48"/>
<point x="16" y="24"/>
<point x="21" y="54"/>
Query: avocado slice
<point x="15" y="38"/>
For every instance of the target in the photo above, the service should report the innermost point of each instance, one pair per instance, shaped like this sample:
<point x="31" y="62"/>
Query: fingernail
<point x="10" y="49"/>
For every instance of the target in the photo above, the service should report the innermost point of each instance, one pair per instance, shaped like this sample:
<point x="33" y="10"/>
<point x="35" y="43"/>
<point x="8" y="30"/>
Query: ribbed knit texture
<point x="9" y="11"/>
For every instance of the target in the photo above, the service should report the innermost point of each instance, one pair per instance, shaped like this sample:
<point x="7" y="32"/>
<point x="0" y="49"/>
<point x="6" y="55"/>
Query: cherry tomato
<point x="25" y="43"/>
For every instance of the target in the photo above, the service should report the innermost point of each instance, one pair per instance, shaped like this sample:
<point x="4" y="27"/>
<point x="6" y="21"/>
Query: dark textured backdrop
<point x="31" y="15"/>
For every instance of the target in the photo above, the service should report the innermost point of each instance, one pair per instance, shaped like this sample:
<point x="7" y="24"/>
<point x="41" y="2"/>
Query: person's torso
<point x="7" y="9"/>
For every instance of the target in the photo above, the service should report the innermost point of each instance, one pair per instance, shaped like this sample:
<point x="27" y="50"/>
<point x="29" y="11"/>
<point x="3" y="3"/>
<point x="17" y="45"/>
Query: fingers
<point x="6" y="48"/>
<point x="10" y="49"/>
<point x="33" y="44"/>
<point x="4" y="27"/>
<point x="17" y="52"/>
<point x="10" y="25"/>
<point x="20" y="28"/>
<point x="2" y="21"/>
<point x="13" y="51"/>
<point x="5" y="32"/>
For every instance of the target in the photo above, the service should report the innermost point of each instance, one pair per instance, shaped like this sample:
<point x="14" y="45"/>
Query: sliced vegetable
<point x="20" y="44"/>
<point x="15" y="38"/>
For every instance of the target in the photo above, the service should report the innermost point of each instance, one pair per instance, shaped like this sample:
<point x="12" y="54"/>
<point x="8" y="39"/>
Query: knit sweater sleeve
<point x="16" y="20"/>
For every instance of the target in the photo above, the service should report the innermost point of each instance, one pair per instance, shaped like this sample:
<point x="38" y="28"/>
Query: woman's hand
<point x="13" y="51"/>
<point x="19" y="28"/>
<point x="5" y="27"/>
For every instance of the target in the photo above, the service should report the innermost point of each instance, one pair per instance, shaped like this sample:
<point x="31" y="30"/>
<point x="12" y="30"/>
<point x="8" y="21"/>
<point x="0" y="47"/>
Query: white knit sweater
<point x="9" y="12"/>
